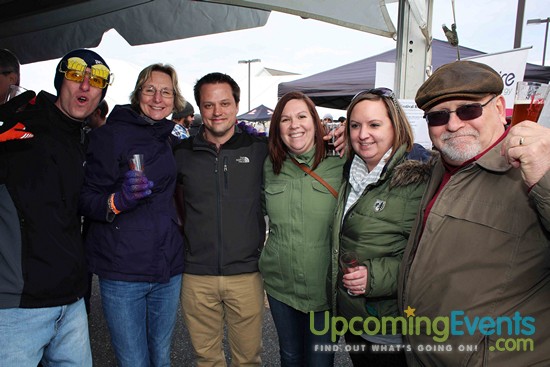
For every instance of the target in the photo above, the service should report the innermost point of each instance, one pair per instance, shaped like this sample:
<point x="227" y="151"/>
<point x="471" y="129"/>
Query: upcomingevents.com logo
<point x="513" y="331"/>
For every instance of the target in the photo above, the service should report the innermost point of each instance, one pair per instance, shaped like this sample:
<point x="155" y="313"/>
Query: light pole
<point x="249" y="62"/>
<point x="540" y="21"/>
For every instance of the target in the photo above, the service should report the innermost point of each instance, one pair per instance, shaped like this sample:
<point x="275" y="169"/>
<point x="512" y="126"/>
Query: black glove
<point x="135" y="187"/>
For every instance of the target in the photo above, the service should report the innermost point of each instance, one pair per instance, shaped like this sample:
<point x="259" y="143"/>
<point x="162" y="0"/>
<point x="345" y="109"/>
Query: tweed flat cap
<point x="458" y="80"/>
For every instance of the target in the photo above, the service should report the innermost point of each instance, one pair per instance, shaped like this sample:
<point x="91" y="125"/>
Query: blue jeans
<point x="57" y="336"/>
<point x="141" y="317"/>
<point x="296" y="342"/>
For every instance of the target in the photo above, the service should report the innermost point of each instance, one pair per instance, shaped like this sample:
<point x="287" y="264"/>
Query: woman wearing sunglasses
<point x="133" y="242"/>
<point x="385" y="177"/>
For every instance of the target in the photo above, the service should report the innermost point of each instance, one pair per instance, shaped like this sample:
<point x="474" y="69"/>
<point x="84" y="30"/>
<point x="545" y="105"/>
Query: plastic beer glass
<point x="529" y="101"/>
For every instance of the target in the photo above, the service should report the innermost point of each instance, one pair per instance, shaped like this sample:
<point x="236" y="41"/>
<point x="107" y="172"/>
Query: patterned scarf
<point x="360" y="178"/>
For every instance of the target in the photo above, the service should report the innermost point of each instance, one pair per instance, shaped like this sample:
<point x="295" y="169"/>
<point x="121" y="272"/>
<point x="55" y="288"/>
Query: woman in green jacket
<point x="385" y="178"/>
<point x="295" y="261"/>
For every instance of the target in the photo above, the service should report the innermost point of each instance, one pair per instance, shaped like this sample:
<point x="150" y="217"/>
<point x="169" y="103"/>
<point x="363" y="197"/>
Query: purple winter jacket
<point x="142" y="244"/>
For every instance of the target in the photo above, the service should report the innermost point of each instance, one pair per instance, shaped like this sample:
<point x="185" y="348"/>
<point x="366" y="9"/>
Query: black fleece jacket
<point x="224" y="226"/>
<point x="43" y="177"/>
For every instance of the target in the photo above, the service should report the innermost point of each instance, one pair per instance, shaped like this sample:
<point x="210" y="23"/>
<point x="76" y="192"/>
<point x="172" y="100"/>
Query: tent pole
<point x="414" y="54"/>
<point x="249" y="62"/>
<point x="519" y="23"/>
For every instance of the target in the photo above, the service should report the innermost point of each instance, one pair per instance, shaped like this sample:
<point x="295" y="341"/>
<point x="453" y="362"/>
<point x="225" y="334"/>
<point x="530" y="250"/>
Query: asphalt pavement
<point x="182" y="351"/>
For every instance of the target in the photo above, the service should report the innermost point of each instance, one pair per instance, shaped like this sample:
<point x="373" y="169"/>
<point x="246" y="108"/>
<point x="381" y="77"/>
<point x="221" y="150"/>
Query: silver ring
<point x="521" y="140"/>
<point x="362" y="289"/>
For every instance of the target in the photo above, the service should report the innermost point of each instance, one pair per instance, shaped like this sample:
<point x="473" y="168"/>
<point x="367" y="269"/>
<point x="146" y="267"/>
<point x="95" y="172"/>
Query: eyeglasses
<point x="151" y="91"/>
<point x="75" y="71"/>
<point x="465" y="113"/>
<point x="78" y="76"/>
<point x="382" y="92"/>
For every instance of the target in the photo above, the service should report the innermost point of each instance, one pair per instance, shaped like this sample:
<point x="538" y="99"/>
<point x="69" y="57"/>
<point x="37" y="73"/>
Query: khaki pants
<point x="207" y="301"/>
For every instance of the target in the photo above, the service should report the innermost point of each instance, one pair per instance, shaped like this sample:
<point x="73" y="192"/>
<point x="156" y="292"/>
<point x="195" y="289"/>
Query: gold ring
<point x="521" y="140"/>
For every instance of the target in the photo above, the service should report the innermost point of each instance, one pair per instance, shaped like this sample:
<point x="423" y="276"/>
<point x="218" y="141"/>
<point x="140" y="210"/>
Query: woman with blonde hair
<point x="133" y="242"/>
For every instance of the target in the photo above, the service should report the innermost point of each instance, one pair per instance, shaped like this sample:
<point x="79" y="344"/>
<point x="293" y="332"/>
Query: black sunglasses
<point x="467" y="112"/>
<point x="382" y="92"/>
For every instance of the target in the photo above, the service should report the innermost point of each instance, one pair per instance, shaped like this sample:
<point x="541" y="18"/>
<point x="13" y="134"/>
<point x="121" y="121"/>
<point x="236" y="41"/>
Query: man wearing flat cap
<point x="476" y="269"/>
<point x="43" y="275"/>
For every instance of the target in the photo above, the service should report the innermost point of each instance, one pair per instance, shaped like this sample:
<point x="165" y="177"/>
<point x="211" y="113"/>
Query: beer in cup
<point x="529" y="101"/>
<point x="136" y="162"/>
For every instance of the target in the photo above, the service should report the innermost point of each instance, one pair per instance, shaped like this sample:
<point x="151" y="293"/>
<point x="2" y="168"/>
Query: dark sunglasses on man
<point x="465" y="113"/>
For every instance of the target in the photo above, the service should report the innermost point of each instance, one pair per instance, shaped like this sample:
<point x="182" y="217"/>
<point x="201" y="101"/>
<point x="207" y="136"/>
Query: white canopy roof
<point x="37" y="31"/>
<point x="47" y="29"/>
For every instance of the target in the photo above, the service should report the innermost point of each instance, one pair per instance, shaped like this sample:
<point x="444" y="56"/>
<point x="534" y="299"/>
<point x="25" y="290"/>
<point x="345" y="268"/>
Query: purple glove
<point x="135" y="187"/>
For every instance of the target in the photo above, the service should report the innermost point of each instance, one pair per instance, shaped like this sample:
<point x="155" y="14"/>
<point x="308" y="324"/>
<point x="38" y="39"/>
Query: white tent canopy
<point x="37" y="31"/>
<point x="413" y="33"/>
<point x="364" y="15"/>
<point x="48" y="29"/>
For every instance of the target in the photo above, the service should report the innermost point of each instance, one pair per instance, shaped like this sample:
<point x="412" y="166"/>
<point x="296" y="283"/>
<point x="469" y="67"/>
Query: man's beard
<point x="457" y="151"/>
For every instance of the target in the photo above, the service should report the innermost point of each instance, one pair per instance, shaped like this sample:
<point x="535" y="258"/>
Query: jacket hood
<point x="415" y="168"/>
<point x="409" y="172"/>
<point x="412" y="167"/>
<point x="124" y="114"/>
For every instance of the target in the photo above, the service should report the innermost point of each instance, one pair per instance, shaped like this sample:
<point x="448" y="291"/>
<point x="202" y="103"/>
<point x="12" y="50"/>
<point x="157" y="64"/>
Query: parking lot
<point x="182" y="352"/>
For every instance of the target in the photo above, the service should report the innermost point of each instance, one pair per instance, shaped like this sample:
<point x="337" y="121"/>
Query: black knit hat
<point x="458" y="80"/>
<point x="188" y="110"/>
<point x="90" y="57"/>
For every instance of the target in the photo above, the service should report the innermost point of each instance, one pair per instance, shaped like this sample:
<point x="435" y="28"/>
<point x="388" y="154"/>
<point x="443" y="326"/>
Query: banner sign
<point x="511" y="67"/>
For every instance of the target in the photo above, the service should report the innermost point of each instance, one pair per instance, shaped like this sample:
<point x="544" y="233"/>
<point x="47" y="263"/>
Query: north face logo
<point x="243" y="160"/>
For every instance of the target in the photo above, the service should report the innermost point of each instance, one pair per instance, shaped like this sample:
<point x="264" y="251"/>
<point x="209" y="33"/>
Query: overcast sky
<point x="303" y="46"/>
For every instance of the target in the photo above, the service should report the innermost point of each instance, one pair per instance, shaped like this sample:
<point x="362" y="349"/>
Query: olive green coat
<point x="377" y="228"/>
<point x="296" y="258"/>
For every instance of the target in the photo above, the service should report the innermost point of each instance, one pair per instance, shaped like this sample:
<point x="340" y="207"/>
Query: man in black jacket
<point x="42" y="268"/>
<point x="220" y="178"/>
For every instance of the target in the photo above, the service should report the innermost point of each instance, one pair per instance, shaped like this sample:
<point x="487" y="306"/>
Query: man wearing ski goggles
<point x="43" y="273"/>
<point x="480" y="243"/>
<point x="74" y="70"/>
